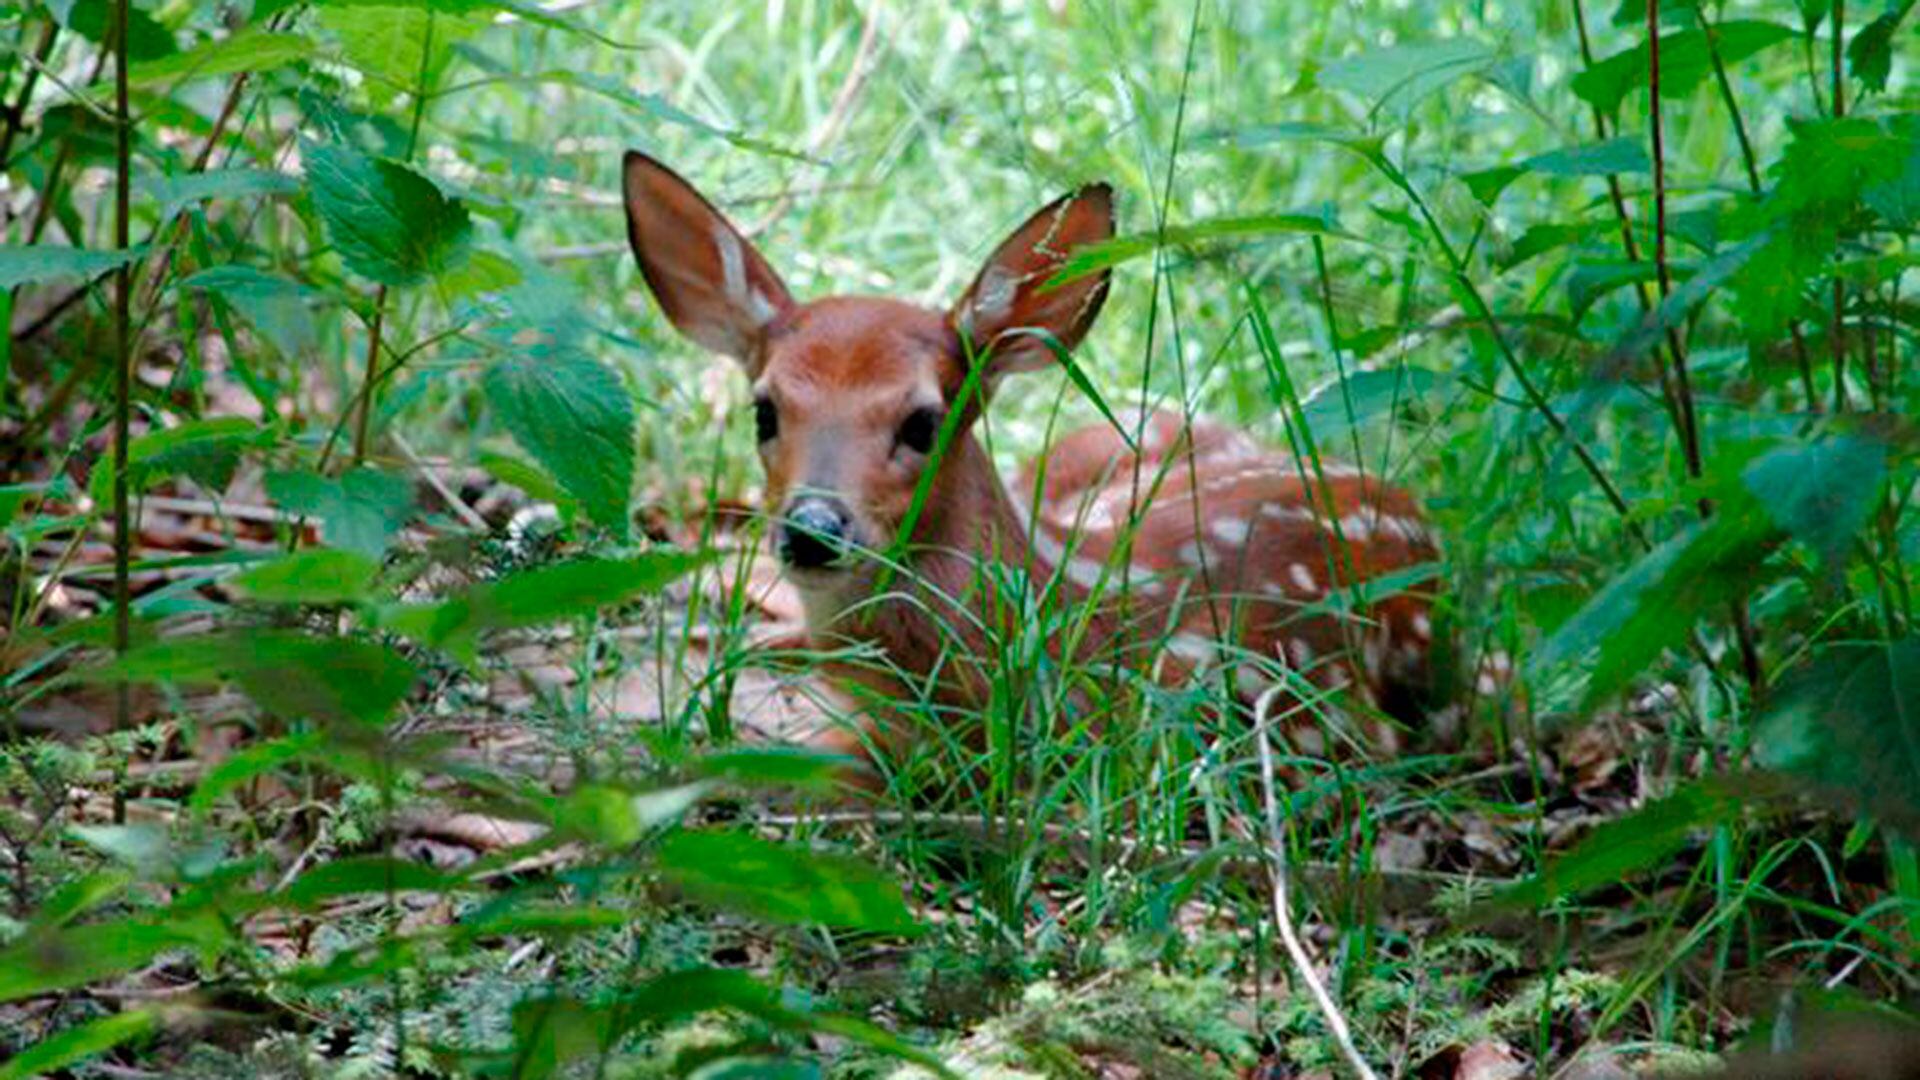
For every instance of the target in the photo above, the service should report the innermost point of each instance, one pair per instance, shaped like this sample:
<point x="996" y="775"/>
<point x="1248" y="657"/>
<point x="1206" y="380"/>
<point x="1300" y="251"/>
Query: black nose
<point x="813" y="533"/>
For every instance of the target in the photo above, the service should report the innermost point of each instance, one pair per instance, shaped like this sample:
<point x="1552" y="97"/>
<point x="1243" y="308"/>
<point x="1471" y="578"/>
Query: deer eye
<point x="766" y="419"/>
<point x="919" y="429"/>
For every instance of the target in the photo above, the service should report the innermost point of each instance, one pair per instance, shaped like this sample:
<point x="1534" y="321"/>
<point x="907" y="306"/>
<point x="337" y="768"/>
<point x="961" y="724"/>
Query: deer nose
<point x="813" y="532"/>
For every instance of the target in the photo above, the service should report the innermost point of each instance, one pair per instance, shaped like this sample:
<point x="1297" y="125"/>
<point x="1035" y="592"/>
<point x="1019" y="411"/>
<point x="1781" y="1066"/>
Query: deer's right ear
<point x="709" y="280"/>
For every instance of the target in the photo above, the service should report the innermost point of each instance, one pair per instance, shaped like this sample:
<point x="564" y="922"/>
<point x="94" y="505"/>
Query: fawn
<point x="1195" y="532"/>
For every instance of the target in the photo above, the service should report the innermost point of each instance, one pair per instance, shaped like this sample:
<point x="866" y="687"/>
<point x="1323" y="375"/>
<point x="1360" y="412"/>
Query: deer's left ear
<point x="1008" y="312"/>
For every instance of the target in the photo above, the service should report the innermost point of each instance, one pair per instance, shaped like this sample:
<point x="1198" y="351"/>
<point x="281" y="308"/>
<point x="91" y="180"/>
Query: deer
<point x="883" y="506"/>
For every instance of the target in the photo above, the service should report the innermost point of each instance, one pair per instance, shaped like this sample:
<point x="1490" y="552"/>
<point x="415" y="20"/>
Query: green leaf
<point x="205" y="451"/>
<point x="1404" y="75"/>
<point x="1896" y="196"/>
<point x="361" y="875"/>
<point x="1655" y="602"/>
<point x="775" y="767"/>
<point x="541" y="595"/>
<point x="1849" y="724"/>
<point x="77" y="1044"/>
<point x="401" y="48"/>
<point x="286" y="672"/>
<point x="254" y="761"/>
<point x="1870" y="53"/>
<point x="390" y="224"/>
<point x="1093" y="258"/>
<point x="37" y="264"/>
<point x="1614" y="156"/>
<point x="251" y="50"/>
<point x="1684" y="61"/>
<point x="574" y="416"/>
<point x="1623" y="847"/>
<point x="144" y="846"/>
<point x="741" y="872"/>
<point x="314" y="576"/>
<point x="616" y="817"/>
<point x="175" y="193"/>
<point x="1822" y="493"/>
<point x="362" y="509"/>
<point x="146" y="38"/>
<point x="76" y="955"/>
<point x="276" y="306"/>
<point x="1364" y="396"/>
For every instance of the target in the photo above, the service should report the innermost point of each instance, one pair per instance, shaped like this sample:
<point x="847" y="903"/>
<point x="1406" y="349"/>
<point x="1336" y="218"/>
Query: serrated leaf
<point x="1685" y="60"/>
<point x="1403" y="75"/>
<point x="175" y="193"/>
<point x="314" y="576"/>
<point x="35" y="264"/>
<point x="542" y="595"/>
<point x="205" y="451"/>
<point x="77" y="1044"/>
<point x="284" y="671"/>
<point x="741" y="872"/>
<point x="366" y="874"/>
<point x="251" y="50"/>
<point x="1822" y="493"/>
<point x="1849" y="723"/>
<point x="575" y="417"/>
<point x="275" y="306"/>
<point x="361" y="510"/>
<point x="400" y="48"/>
<point x="389" y="223"/>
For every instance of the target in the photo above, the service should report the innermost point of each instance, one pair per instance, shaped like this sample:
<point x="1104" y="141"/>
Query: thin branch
<point x="123" y="362"/>
<point x="1836" y="336"/>
<point x="1277" y="876"/>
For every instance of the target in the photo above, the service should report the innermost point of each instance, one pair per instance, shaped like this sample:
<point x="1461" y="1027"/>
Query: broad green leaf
<point x="1830" y="163"/>
<point x="77" y="1044"/>
<point x="254" y="761"/>
<point x="40" y="263"/>
<point x="286" y="672"/>
<point x="575" y="417"/>
<point x="79" y="896"/>
<point x="1093" y="258"/>
<point x="1623" y="847"/>
<point x="1590" y="282"/>
<point x="147" y="39"/>
<point x="142" y="846"/>
<point x="250" y="50"/>
<point x="1870" y="53"/>
<point x="76" y="955"/>
<point x="205" y="451"/>
<point x="741" y="872"/>
<point x="276" y="306"/>
<point x="1403" y="75"/>
<point x="361" y="510"/>
<point x="389" y="223"/>
<point x="175" y="193"/>
<point x="314" y="576"/>
<point x="1612" y="157"/>
<point x="1365" y="396"/>
<point x="1896" y="196"/>
<point x="361" y="875"/>
<point x="1849" y="724"/>
<point x="482" y="10"/>
<point x="1655" y="602"/>
<point x="541" y="595"/>
<point x="1684" y="61"/>
<point x="395" y="45"/>
<point x="1821" y="493"/>
<point x="615" y="817"/>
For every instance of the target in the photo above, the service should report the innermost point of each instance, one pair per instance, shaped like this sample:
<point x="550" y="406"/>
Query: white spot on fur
<point x="1231" y="530"/>
<point x="1302" y="577"/>
<point x="1191" y="647"/>
<point x="1300" y="653"/>
<point x="1422" y="626"/>
<point x="1085" y="573"/>
<point x="1287" y="512"/>
<point x="1191" y="554"/>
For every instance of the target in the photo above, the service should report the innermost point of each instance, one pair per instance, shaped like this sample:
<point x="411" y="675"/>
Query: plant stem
<point x="17" y="112"/>
<point x="1683" y="385"/>
<point x="1836" y="338"/>
<point x="123" y="362"/>
<point x="361" y="430"/>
